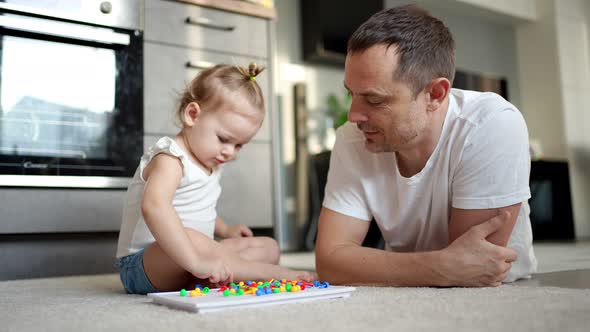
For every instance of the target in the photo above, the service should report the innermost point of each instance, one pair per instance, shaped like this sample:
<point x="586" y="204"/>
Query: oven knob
<point x="106" y="7"/>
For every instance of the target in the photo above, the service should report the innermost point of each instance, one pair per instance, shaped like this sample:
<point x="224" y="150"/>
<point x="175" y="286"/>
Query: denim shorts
<point x="133" y="275"/>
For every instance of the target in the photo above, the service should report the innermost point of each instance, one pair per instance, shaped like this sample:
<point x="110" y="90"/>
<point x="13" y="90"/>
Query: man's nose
<point x="355" y="114"/>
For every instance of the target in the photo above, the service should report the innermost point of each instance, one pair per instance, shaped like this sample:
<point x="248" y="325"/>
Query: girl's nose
<point x="228" y="152"/>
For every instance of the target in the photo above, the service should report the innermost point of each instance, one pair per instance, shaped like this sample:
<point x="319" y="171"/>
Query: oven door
<point x="70" y="103"/>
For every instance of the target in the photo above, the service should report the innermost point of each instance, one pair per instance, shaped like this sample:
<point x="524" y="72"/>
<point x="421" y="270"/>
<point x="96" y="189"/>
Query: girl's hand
<point x="237" y="231"/>
<point x="214" y="269"/>
<point x="221" y="273"/>
<point x="218" y="270"/>
<point x="225" y="231"/>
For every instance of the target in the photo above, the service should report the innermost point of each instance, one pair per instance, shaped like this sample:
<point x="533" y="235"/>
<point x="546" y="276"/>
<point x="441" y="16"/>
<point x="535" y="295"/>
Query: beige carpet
<point x="97" y="303"/>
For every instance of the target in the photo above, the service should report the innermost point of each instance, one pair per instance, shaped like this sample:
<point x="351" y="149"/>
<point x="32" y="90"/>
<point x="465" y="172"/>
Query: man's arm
<point x="469" y="261"/>
<point x="341" y="259"/>
<point x="462" y="220"/>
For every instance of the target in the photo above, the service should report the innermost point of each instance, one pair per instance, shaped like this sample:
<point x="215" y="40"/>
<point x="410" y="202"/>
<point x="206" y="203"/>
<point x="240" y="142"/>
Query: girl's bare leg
<point x="165" y="275"/>
<point x="162" y="272"/>
<point x="259" y="249"/>
<point x="251" y="270"/>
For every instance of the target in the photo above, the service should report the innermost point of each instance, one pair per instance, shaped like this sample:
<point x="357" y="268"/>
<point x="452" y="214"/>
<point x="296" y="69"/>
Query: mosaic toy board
<point x="215" y="301"/>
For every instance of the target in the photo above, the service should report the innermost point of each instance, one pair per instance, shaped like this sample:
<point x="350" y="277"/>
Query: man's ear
<point x="192" y="111"/>
<point x="437" y="91"/>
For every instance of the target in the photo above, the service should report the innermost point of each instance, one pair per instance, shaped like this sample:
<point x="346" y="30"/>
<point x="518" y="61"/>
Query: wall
<point x="539" y="68"/>
<point x="483" y="44"/>
<point x="522" y="9"/>
<point x="572" y="23"/>
<point x="554" y="64"/>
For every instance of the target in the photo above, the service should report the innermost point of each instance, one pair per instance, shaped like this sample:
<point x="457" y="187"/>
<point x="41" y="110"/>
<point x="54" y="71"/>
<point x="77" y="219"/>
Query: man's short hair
<point x="424" y="44"/>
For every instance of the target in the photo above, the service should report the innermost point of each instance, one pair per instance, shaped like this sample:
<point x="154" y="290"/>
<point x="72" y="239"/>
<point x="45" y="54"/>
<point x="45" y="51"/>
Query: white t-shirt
<point x="194" y="201"/>
<point x="481" y="161"/>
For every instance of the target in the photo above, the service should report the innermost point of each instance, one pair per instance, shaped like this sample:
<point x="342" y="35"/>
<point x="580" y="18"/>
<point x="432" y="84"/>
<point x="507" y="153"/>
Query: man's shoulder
<point x="478" y="108"/>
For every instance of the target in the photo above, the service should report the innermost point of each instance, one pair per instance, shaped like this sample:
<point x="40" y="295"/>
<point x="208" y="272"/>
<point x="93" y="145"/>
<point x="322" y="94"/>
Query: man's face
<point x="386" y="111"/>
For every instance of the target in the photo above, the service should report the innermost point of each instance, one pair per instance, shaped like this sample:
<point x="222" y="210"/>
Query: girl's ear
<point x="192" y="111"/>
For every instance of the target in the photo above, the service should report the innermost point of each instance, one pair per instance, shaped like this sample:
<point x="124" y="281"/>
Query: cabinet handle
<point x="199" y="65"/>
<point x="207" y="23"/>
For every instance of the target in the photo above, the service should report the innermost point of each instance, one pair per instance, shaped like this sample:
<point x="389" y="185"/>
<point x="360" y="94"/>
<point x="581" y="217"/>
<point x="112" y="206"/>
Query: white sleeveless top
<point x="194" y="201"/>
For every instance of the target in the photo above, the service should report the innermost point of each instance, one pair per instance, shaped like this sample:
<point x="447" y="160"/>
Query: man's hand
<point x="473" y="261"/>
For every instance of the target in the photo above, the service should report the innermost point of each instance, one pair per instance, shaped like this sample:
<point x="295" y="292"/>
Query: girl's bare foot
<point x="307" y="276"/>
<point x="302" y="275"/>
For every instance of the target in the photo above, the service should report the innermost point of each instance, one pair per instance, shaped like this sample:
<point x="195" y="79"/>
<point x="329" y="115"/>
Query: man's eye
<point x="374" y="102"/>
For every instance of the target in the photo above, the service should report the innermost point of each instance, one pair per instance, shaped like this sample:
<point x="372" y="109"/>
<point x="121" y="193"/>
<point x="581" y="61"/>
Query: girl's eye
<point x="222" y="139"/>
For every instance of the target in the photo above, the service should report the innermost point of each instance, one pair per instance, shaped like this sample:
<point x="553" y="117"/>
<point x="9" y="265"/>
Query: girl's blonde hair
<point x="220" y="80"/>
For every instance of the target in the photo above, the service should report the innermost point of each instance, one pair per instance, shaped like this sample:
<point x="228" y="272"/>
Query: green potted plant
<point x="337" y="108"/>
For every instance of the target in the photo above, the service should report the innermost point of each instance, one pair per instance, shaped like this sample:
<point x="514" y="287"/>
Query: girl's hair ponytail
<point x="216" y="82"/>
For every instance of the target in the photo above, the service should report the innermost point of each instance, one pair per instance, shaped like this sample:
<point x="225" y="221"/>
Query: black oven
<point x="71" y="92"/>
<point x="551" y="214"/>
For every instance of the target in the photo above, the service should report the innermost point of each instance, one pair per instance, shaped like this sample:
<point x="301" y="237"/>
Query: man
<point x="444" y="172"/>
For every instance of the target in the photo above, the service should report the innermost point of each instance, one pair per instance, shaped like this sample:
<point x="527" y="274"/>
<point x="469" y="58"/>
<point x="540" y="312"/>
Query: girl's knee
<point x="272" y="249"/>
<point x="201" y="242"/>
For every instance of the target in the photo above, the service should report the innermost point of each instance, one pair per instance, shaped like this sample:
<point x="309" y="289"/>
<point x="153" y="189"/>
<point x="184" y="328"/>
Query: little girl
<point x="166" y="239"/>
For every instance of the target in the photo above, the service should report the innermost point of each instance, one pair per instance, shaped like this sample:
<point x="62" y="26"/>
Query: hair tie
<point x="252" y="78"/>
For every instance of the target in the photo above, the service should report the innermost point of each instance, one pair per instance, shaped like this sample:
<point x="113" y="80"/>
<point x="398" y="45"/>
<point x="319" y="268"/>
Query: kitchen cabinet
<point x="168" y="64"/>
<point x="182" y="38"/>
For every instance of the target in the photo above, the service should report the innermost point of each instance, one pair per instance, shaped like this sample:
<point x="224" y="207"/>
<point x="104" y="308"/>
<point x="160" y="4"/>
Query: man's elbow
<point x="320" y="266"/>
<point x="327" y="267"/>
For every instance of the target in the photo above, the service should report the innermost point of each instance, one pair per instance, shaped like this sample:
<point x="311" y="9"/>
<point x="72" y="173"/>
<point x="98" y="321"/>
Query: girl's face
<point x="216" y="136"/>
